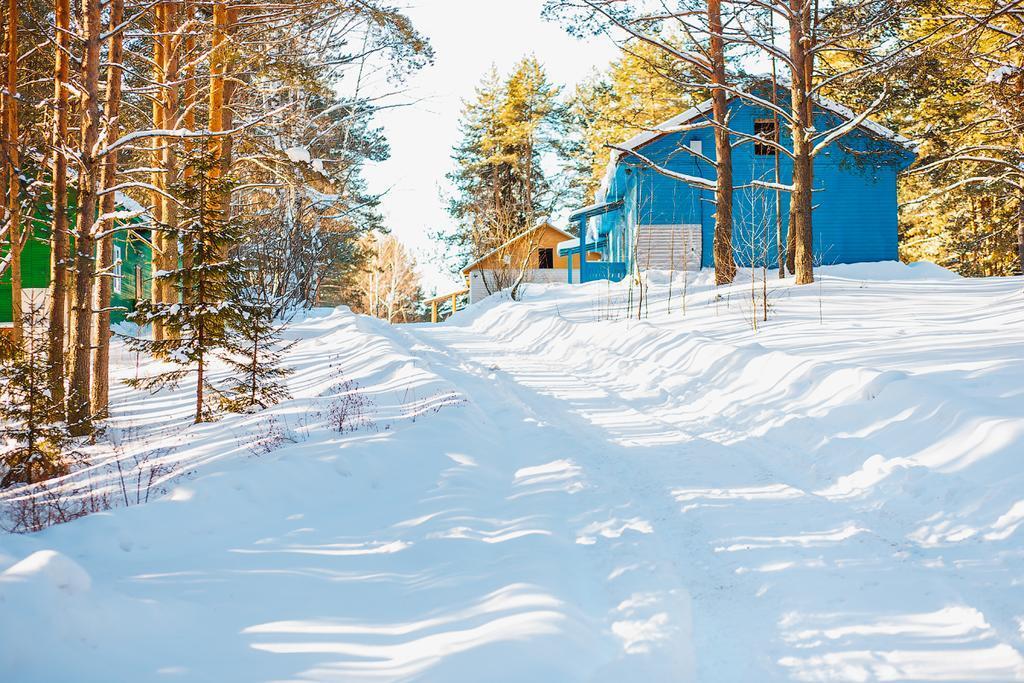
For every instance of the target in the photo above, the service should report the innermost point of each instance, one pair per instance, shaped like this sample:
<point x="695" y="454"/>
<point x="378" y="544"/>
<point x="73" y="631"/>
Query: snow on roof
<point x="876" y="128"/>
<point x="666" y="127"/>
<point x="597" y="208"/>
<point x="128" y="203"/>
<point x="494" y="251"/>
<point x="574" y="243"/>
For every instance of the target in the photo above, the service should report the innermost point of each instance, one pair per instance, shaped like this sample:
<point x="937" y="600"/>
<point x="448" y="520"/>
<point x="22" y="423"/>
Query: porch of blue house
<point x="577" y="250"/>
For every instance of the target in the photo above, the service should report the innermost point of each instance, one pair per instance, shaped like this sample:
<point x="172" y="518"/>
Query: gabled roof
<point x="669" y="126"/>
<point x="666" y="127"/>
<point x="524" y="233"/>
<point x="592" y="210"/>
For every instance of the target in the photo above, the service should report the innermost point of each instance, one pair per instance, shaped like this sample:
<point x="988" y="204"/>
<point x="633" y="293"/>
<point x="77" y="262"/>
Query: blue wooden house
<point x="646" y="219"/>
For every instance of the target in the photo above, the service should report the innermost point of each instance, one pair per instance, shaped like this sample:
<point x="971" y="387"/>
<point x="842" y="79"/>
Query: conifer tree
<point x="635" y="93"/>
<point x="508" y="130"/>
<point x="962" y="98"/>
<point x="201" y="323"/>
<point x="481" y="175"/>
<point x="531" y="121"/>
<point x="255" y="354"/>
<point x="32" y="425"/>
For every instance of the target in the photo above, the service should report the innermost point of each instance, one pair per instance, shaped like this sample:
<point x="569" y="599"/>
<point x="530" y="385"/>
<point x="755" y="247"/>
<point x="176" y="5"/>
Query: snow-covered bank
<point x="548" y="489"/>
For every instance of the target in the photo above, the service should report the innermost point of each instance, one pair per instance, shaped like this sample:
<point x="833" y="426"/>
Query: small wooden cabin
<point x="534" y="251"/>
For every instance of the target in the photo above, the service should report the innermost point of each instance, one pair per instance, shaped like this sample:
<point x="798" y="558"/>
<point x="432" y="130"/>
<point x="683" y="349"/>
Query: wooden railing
<point x="435" y="301"/>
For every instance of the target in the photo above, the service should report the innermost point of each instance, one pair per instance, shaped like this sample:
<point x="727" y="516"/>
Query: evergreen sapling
<point x="254" y="354"/>
<point x="200" y="324"/>
<point x="36" y="442"/>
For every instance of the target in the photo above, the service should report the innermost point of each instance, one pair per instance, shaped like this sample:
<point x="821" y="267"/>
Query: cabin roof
<point x="524" y="233"/>
<point x="668" y="127"/>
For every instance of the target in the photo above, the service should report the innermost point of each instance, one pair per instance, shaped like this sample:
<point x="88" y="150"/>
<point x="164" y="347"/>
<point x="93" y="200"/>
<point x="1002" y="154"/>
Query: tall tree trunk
<point x="169" y="160"/>
<point x="165" y="113"/>
<point x="59" y="227"/>
<point x="217" y="72"/>
<point x="85" y="243"/>
<point x="190" y="100"/>
<point x="221" y="117"/>
<point x="108" y="178"/>
<point x="529" y="183"/>
<point x="801" y="106"/>
<point x="12" y="141"/>
<point x="725" y="265"/>
<point x="157" y="177"/>
<point x="200" y="380"/>
<point x="1020" y="236"/>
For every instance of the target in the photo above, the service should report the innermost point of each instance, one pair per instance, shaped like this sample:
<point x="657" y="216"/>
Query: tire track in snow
<point x="692" y="545"/>
<point x="651" y="614"/>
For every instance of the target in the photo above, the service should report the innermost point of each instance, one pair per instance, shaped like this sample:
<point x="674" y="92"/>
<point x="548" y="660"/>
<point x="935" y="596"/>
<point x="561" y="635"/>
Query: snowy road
<point x="728" y="545"/>
<point x="544" y="494"/>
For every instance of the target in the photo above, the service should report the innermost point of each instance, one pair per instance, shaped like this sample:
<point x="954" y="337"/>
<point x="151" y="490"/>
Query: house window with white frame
<point x="116" y="270"/>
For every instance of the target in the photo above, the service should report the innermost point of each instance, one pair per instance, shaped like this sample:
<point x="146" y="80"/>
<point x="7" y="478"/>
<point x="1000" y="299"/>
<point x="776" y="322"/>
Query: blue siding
<point x="855" y="215"/>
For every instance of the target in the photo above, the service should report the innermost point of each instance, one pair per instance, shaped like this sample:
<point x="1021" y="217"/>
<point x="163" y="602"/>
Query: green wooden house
<point x="132" y="258"/>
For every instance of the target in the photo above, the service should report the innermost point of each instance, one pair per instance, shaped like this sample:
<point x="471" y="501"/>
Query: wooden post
<point x="433" y="311"/>
<point x="569" y="257"/>
<point x="455" y="303"/>
<point x="583" y="248"/>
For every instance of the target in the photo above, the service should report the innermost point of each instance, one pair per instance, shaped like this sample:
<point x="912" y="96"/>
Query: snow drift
<point x="555" y="490"/>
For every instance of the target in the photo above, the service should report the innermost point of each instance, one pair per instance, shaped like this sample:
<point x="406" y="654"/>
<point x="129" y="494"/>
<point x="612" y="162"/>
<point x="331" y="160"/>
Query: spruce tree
<point x="254" y="354"/>
<point x="201" y="323"/>
<point x="35" y="439"/>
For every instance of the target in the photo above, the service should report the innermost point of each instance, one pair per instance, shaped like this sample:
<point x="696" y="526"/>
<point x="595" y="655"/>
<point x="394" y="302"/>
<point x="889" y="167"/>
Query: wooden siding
<point x="669" y="247"/>
<point x="541" y="237"/>
<point x="855" y="215"/>
<point x="35" y="268"/>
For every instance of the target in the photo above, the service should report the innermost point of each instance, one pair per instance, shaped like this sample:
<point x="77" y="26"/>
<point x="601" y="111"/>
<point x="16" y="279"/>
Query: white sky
<point x="467" y="36"/>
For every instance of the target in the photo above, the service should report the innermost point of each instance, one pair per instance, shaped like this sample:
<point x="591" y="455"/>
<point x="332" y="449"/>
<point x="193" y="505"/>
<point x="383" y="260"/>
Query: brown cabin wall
<point x="549" y="238"/>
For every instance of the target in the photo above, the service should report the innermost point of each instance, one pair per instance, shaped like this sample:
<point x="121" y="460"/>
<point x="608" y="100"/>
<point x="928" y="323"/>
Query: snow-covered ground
<point x="548" y="490"/>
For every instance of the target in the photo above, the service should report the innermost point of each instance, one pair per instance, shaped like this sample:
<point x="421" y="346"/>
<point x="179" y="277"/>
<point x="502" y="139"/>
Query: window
<point x="766" y="129"/>
<point x="546" y="259"/>
<point x="697" y="146"/>
<point x="116" y="271"/>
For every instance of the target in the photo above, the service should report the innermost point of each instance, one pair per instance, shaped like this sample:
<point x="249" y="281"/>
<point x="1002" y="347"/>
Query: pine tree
<point x="36" y="437"/>
<point x="635" y="93"/>
<point x="964" y="100"/>
<point x="509" y="130"/>
<point x="202" y="322"/>
<point x="255" y="354"/>
<point x="532" y="122"/>
<point x="481" y="176"/>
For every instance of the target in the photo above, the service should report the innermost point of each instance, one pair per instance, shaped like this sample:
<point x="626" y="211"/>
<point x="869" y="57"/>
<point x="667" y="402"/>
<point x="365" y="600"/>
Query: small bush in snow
<point x="349" y="411"/>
